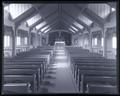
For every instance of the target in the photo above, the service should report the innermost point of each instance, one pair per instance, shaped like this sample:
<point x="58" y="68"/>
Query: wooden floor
<point x="59" y="78"/>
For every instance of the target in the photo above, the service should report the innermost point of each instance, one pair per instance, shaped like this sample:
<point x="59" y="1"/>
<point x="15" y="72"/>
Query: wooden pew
<point x="26" y="66"/>
<point x="91" y="59"/>
<point x="23" y="72"/>
<point x="93" y="73"/>
<point x="30" y="60"/>
<point x="103" y="63"/>
<point x="32" y="54"/>
<point x="99" y="68"/>
<point x="101" y="89"/>
<point x="87" y="79"/>
<point x="40" y="65"/>
<point x="16" y="88"/>
<point x="21" y="79"/>
<point x="88" y="66"/>
<point x="23" y="61"/>
<point x="46" y="56"/>
<point x="97" y="65"/>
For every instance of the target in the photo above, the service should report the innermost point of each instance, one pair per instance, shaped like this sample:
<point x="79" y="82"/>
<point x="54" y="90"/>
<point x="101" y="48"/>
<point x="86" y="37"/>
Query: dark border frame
<point x="65" y="1"/>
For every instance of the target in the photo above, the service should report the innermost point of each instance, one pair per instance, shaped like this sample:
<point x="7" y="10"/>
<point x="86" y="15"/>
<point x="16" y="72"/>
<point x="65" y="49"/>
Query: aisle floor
<point x="59" y="78"/>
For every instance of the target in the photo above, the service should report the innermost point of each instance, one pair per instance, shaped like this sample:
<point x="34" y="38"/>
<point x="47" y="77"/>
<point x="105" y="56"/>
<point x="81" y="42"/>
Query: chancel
<point x="60" y="48"/>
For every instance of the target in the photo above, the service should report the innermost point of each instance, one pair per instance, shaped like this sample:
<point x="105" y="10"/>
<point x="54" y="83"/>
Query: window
<point x="34" y="19"/>
<point x="86" y="42"/>
<point x="18" y="41"/>
<point x="113" y="9"/>
<point x="43" y="29"/>
<point x="95" y="41"/>
<point x="47" y="30"/>
<point x="81" y="44"/>
<point x="16" y="10"/>
<point x="74" y="28"/>
<point x="85" y="20"/>
<point x="114" y="42"/>
<point x="101" y="41"/>
<point x="40" y="25"/>
<point x="6" y="41"/>
<point x="101" y="10"/>
<point x="25" y="40"/>
<point x="78" y="25"/>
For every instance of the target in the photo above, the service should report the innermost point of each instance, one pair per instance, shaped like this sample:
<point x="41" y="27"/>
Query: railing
<point x="7" y="52"/>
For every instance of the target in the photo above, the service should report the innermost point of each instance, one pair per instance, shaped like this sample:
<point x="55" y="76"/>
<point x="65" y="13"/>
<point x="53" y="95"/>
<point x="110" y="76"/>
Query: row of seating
<point x="93" y="73"/>
<point x="25" y="72"/>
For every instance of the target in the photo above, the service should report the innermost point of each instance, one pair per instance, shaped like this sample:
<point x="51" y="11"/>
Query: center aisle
<point x="59" y="78"/>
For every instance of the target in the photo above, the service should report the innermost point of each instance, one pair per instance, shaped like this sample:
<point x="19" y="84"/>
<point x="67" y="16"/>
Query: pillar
<point x="104" y="41"/>
<point x="29" y="39"/>
<point x="83" y="40"/>
<point x="47" y="38"/>
<point x="90" y="41"/>
<point x="14" y="40"/>
<point x="40" y="39"/>
<point x="37" y="39"/>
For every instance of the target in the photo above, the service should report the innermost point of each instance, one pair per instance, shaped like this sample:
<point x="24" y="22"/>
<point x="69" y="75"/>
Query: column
<point x="47" y="39"/>
<point x="83" y="41"/>
<point x="72" y="38"/>
<point x="104" y="41"/>
<point x="90" y="41"/>
<point x="29" y="39"/>
<point x="37" y="40"/>
<point x="40" y="39"/>
<point x="14" y="34"/>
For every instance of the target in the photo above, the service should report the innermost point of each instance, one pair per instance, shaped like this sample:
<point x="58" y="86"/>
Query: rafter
<point x="77" y="20"/>
<point x="52" y="25"/>
<point x="28" y="14"/>
<point x="69" y="23"/>
<point x="67" y="28"/>
<point x="48" y="24"/>
<point x="45" y="19"/>
<point x="92" y="16"/>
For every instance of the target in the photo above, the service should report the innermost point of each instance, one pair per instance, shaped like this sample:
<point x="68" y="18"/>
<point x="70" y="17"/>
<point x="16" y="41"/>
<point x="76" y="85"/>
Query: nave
<point x="60" y="73"/>
<point x="65" y="70"/>
<point x="60" y="48"/>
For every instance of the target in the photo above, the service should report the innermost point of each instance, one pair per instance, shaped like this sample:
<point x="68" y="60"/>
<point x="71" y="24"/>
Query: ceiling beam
<point x="5" y="4"/>
<point x="56" y="30"/>
<point x="69" y="23"/>
<point x="112" y="4"/>
<point x="66" y="24"/>
<point x="60" y="30"/>
<point x="92" y="16"/>
<point x="45" y="19"/>
<point x="28" y="14"/>
<point x="48" y="24"/>
<point x="52" y="25"/>
<point x="67" y="28"/>
<point x="77" y="20"/>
